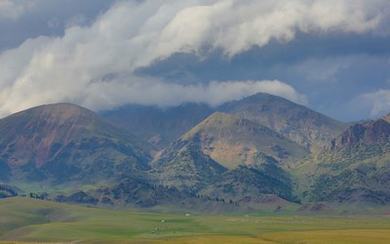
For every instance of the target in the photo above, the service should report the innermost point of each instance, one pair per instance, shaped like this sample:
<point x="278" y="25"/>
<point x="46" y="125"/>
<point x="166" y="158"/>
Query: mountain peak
<point x="56" y="136"/>
<point x="296" y="122"/>
<point x="261" y="96"/>
<point x="58" y="106"/>
<point x="59" y="111"/>
<point x="218" y="118"/>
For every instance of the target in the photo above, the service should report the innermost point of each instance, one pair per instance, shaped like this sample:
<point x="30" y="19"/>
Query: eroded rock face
<point x="374" y="132"/>
<point x="355" y="167"/>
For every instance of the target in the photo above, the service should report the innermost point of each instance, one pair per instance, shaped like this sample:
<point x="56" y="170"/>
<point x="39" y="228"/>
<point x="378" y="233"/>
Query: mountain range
<point x="248" y="152"/>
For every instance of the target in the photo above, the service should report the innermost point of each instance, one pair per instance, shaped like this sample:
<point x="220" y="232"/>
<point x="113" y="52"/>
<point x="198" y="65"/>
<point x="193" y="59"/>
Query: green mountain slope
<point x="355" y="167"/>
<point x="263" y="182"/>
<point x="183" y="165"/>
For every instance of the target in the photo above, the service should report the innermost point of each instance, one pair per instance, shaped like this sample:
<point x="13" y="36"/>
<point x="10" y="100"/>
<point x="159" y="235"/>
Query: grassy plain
<point x="28" y="220"/>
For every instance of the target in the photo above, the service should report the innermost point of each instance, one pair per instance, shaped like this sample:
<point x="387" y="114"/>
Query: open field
<point x="27" y="220"/>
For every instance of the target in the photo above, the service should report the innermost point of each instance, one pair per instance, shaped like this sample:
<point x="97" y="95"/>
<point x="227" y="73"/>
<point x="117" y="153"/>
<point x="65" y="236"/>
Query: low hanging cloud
<point x="377" y="103"/>
<point x="151" y="92"/>
<point x="95" y="65"/>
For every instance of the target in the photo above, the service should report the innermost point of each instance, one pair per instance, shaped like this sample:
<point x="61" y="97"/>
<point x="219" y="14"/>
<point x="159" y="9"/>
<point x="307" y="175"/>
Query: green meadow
<point x="26" y="220"/>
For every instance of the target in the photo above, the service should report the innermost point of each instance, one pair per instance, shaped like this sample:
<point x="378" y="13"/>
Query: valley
<point x="27" y="220"/>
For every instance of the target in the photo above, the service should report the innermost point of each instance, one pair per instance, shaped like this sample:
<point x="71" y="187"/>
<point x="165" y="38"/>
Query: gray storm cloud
<point x="95" y="65"/>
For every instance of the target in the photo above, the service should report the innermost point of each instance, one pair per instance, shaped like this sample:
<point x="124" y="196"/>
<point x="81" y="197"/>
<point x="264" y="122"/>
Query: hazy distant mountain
<point x="296" y="122"/>
<point x="64" y="142"/>
<point x="158" y="126"/>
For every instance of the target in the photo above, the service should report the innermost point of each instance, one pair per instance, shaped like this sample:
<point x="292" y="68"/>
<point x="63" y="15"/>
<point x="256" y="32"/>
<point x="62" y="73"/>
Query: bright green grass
<point x="24" y="219"/>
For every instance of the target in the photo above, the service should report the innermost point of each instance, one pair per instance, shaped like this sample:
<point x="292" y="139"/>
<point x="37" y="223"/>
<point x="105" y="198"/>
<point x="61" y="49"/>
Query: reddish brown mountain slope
<point x="65" y="141"/>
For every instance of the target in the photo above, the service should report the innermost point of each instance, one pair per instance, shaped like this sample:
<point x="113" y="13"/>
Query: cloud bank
<point x="152" y="92"/>
<point x="13" y="9"/>
<point x="95" y="65"/>
<point x="376" y="103"/>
